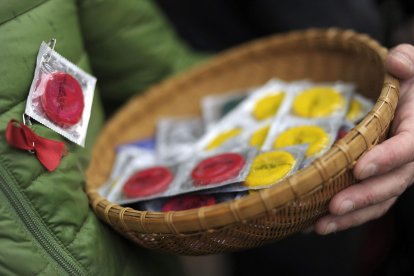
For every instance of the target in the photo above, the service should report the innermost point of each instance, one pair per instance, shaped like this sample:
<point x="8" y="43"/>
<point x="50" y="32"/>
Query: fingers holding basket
<point x="399" y="149"/>
<point x="366" y="201"/>
<point x="332" y="223"/>
<point x="389" y="155"/>
<point x="388" y="169"/>
<point x="373" y="190"/>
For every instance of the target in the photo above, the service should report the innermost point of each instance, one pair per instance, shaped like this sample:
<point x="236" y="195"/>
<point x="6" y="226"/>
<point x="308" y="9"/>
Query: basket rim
<point x="265" y="201"/>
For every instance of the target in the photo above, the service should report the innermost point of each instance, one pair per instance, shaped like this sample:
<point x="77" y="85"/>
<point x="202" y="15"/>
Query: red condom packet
<point x="61" y="95"/>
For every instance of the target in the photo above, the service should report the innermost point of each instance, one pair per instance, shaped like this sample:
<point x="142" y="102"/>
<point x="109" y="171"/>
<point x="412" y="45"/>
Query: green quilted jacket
<point x="46" y="225"/>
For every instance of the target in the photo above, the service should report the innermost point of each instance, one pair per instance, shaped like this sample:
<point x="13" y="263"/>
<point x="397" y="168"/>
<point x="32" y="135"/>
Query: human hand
<point x="387" y="170"/>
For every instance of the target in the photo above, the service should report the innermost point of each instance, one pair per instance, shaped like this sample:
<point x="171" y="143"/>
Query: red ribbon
<point x="49" y="152"/>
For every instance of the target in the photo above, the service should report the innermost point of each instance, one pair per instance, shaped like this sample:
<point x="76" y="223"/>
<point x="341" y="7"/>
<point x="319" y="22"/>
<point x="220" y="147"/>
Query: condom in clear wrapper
<point x="61" y="95"/>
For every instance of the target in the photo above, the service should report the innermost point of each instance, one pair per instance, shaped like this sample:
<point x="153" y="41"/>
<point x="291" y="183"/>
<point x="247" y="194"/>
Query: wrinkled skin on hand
<point x="387" y="170"/>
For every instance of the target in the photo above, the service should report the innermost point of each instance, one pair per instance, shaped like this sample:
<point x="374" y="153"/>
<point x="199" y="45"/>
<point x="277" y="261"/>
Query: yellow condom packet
<point x="261" y="106"/>
<point x="358" y="108"/>
<point x="255" y="135"/>
<point x="268" y="105"/>
<point x="270" y="167"/>
<point x="319" y="135"/>
<point x="311" y="100"/>
<point x="224" y="138"/>
<point x="264" y="103"/>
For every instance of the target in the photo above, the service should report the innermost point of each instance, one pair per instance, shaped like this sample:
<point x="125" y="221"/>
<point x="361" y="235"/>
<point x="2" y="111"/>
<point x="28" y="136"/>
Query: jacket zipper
<point x="64" y="262"/>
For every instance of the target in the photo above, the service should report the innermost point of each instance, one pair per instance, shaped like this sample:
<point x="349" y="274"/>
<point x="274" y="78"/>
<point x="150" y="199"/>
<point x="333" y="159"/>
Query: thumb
<point x="400" y="61"/>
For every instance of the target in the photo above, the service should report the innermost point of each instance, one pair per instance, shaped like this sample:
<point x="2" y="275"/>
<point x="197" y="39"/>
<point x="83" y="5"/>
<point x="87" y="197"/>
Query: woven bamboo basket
<point x="274" y="213"/>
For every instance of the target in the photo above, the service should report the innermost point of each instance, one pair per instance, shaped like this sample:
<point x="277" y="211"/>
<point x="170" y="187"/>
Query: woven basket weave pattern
<point x="274" y="213"/>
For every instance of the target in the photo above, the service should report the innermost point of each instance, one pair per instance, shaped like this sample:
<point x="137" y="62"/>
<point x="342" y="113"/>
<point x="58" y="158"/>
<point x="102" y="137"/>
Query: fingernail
<point x="331" y="227"/>
<point x="403" y="58"/>
<point x="368" y="171"/>
<point x="346" y="206"/>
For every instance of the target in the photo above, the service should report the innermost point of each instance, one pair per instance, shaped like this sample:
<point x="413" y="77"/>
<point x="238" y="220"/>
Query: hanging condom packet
<point x="61" y="95"/>
<point x="215" y="107"/>
<point x="176" y="138"/>
<point x="359" y="108"/>
<point x="309" y="100"/>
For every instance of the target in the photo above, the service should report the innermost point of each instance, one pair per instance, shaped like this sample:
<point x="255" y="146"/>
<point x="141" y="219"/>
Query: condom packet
<point x="219" y="168"/>
<point x="61" y="95"/>
<point x="201" y="172"/>
<point x="262" y="104"/>
<point x="144" y="181"/>
<point x="259" y="107"/>
<point x="312" y="100"/>
<point x="187" y="201"/>
<point x="318" y="134"/>
<point x="268" y="168"/>
<point x="223" y="137"/>
<point x="215" y="107"/>
<point x="126" y="155"/>
<point x="176" y="138"/>
<point x="255" y="135"/>
<point x="358" y="108"/>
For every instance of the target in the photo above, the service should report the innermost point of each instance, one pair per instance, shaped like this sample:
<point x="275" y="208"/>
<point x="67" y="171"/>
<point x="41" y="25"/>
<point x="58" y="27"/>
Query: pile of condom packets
<point x="246" y="140"/>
